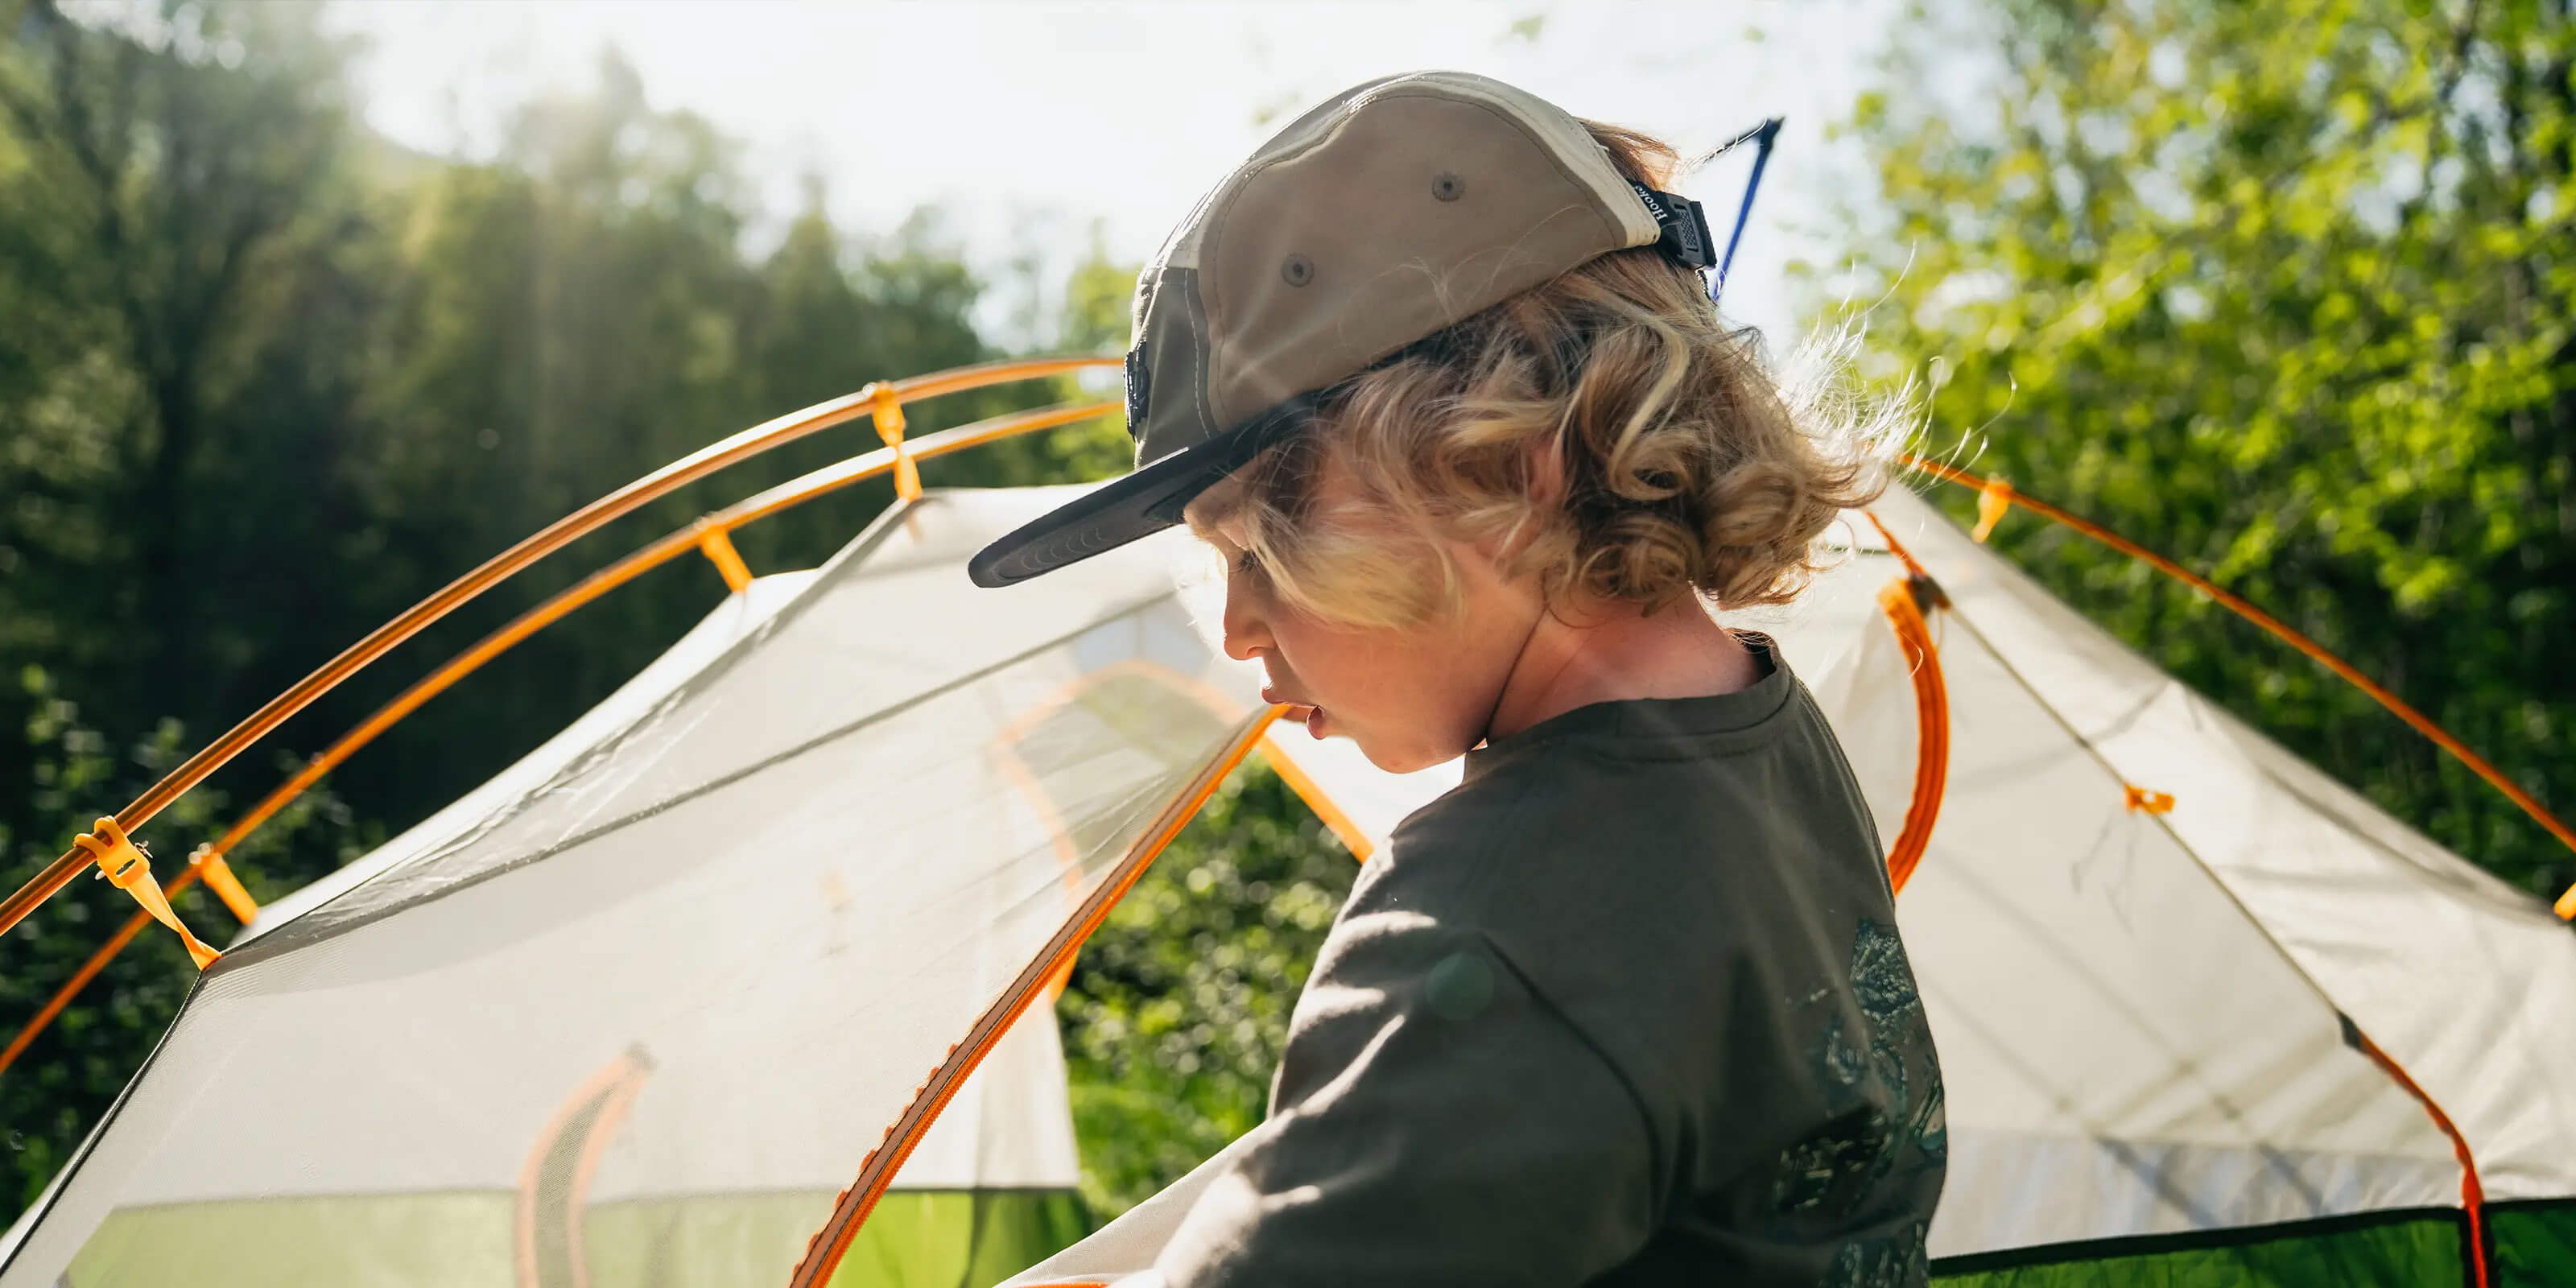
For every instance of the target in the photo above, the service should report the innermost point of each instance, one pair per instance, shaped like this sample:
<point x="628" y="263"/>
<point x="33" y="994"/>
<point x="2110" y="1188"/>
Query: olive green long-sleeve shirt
<point x="1626" y="1007"/>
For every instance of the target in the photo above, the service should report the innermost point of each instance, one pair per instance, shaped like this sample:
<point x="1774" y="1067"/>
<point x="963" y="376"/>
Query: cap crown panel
<point x="1385" y="259"/>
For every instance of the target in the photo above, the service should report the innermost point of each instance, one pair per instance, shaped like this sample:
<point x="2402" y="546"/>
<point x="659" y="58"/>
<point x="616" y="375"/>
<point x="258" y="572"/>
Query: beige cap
<point x="1393" y="210"/>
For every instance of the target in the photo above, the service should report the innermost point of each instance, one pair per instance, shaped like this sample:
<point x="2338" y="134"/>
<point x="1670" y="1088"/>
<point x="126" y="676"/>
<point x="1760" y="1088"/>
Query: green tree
<point x="2284" y="290"/>
<point x="178" y="235"/>
<point x="265" y="380"/>
<point x="180" y="262"/>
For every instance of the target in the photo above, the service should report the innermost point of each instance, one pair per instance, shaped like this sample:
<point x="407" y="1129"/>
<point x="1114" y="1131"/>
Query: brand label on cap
<point x="1684" y="228"/>
<point x="1136" y="380"/>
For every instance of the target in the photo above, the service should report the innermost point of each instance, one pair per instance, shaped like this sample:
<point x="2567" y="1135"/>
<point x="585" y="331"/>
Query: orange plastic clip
<point x="1994" y="501"/>
<point x="2139" y="800"/>
<point x="127" y="867"/>
<point x="717" y="546"/>
<point x="218" y="876"/>
<point x="886" y="406"/>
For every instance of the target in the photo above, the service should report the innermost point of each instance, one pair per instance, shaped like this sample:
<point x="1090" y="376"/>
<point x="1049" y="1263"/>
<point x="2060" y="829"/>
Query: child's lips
<point x="1304" y="713"/>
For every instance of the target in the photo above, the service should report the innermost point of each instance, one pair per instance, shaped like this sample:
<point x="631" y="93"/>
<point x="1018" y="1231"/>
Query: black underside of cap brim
<point x="1130" y="508"/>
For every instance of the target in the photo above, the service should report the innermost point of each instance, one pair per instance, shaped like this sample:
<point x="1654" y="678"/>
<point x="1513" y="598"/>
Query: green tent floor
<point x="2531" y="1245"/>
<point x="953" y="1238"/>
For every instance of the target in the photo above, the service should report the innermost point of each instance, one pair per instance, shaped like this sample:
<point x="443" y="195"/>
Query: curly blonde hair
<point x="1679" y="469"/>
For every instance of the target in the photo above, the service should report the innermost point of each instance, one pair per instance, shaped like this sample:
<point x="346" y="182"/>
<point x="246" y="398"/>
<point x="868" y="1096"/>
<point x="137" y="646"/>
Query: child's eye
<point x="1247" y="562"/>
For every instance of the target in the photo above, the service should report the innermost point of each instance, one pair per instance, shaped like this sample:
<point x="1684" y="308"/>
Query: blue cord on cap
<point x="1761" y="135"/>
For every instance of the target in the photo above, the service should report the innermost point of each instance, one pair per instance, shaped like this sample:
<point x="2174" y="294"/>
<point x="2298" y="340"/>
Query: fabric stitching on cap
<point x="1578" y="142"/>
<point x="1447" y="309"/>
<point x="1194" y="316"/>
<point x="1212" y="232"/>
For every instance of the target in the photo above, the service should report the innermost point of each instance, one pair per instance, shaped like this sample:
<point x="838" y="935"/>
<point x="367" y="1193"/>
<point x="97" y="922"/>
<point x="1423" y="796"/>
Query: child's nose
<point x="1247" y="636"/>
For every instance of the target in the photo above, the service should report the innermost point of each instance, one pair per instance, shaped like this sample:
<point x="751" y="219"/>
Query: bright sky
<point x="1025" y="122"/>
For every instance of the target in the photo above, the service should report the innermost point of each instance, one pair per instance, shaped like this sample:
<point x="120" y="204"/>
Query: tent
<point x="633" y="1012"/>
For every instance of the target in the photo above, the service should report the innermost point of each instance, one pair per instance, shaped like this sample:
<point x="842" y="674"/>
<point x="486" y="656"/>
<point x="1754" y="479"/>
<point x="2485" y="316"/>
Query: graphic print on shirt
<point x="1888" y="1122"/>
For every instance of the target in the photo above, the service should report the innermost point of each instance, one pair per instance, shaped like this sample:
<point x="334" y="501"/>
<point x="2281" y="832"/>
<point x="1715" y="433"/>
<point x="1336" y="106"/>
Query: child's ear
<point x="1544" y="466"/>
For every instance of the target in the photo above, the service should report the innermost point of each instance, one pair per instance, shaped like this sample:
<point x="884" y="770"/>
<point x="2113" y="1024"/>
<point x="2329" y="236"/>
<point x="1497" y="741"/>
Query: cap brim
<point x="1127" y="509"/>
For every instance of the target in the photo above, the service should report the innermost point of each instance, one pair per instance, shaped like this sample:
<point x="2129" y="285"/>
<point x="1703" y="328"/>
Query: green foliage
<point x="1178" y="1007"/>
<point x="268" y="379"/>
<point x="2285" y="291"/>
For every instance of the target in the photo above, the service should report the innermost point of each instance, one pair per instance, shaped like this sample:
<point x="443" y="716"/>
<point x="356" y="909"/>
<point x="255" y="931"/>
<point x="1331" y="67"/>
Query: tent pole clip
<point x="219" y="877"/>
<point x="2138" y="800"/>
<point x="717" y="545"/>
<point x="885" y="406"/>
<point x="1994" y="501"/>
<point x="128" y="867"/>
<point x="1926" y="592"/>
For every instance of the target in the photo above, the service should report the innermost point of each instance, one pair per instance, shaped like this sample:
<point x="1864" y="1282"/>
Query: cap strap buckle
<point x="1683" y="224"/>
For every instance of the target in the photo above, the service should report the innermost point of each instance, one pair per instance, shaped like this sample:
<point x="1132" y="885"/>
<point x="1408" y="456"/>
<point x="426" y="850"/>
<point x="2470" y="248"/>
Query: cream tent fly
<point x="730" y="982"/>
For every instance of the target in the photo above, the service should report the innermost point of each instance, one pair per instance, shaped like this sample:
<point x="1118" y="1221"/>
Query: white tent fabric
<point x="2467" y="982"/>
<point x="717" y="631"/>
<point x="731" y="926"/>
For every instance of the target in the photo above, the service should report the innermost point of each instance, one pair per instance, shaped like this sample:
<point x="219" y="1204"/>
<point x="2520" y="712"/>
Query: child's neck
<point x="1612" y="653"/>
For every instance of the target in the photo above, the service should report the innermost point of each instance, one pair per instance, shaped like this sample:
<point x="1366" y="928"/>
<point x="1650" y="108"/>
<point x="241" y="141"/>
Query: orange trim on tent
<point x="1991" y="490"/>
<point x="1312" y="792"/>
<point x="1932" y="723"/>
<point x="589" y="1117"/>
<point x="554" y="536"/>
<point x="1902" y="600"/>
<point x="2473" y="1196"/>
<point x="1005" y="752"/>
<point x="824" y="1252"/>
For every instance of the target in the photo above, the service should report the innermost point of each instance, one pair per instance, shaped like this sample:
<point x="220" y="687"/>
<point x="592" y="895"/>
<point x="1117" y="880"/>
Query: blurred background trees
<point x="2283" y="290"/>
<point x="266" y="379"/>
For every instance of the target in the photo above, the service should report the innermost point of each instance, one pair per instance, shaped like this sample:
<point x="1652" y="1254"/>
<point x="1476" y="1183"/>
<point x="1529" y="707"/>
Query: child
<point x="1435" y="372"/>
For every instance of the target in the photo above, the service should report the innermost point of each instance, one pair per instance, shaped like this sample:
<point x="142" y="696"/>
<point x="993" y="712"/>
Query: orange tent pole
<point x="2473" y="1194"/>
<point x="823" y="1253"/>
<point x="80" y="979"/>
<point x="2479" y="765"/>
<point x="554" y="536"/>
<point x="1903" y="601"/>
<point x="785" y="496"/>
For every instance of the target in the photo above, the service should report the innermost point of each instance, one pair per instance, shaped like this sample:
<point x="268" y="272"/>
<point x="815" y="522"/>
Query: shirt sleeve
<point x="1436" y="1121"/>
